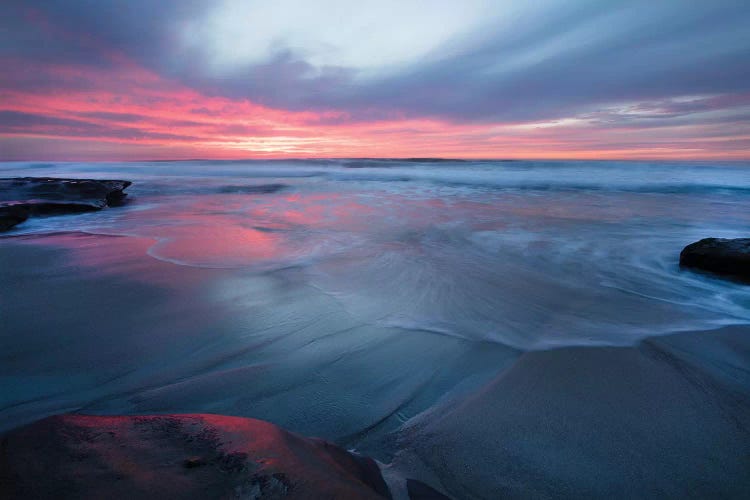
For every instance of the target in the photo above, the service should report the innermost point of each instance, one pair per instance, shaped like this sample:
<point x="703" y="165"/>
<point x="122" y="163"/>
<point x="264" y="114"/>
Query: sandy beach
<point x="484" y="343"/>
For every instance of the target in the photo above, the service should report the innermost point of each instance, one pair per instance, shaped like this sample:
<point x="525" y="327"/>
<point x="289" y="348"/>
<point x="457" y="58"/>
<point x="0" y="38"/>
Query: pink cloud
<point x="131" y="112"/>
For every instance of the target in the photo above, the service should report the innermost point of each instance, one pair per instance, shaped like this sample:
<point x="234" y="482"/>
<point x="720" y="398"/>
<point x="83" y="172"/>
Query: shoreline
<point x="662" y="417"/>
<point x="483" y="343"/>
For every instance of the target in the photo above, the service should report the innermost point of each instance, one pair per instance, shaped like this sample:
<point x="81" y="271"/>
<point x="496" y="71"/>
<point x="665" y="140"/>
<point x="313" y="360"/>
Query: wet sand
<point x="98" y="326"/>
<point x="492" y="329"/>
<point x="666" y="417"/>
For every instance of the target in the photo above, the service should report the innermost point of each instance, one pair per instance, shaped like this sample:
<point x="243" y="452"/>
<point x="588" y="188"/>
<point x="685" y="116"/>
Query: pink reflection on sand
<point x="106" y="256"/>
<point x="270" y="230"/>
<point x="252" y="230"/>
<point x="105" y="252"/>
<point x="323" y="211"/>
<point x="217" y="246"/>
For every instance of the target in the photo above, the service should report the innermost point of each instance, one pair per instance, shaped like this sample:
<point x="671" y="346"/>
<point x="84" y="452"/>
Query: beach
<point x="492" y="329"/>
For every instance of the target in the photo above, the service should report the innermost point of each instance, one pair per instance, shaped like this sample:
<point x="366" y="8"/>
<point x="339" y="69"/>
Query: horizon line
<point x="384" y="158"/>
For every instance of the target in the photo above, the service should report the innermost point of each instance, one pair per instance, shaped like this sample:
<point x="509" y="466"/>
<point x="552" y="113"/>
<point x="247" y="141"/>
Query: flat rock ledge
<point x="23" y="197"/>
<point x="178" y="456"/>
<point x="726" y="257"/>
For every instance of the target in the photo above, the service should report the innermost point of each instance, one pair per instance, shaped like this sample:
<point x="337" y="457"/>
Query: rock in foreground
<point x="23" y="197"/>
<point x="177" y="456"/>
<point x="728" y="257"/>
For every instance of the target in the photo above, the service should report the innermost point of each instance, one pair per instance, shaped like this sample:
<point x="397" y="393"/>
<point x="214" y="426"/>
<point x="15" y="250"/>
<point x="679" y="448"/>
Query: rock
<point x="193" y="462"/>
<point x="177" y="456"/>
<point x="12" y="215"/>
<point x="727" y="257"/>
<point x="22" y="197"/>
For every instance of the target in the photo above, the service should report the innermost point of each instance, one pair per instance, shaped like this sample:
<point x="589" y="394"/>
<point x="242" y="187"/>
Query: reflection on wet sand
<point x="397" y="317"/>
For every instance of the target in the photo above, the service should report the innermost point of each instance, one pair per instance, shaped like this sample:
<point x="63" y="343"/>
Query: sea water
<point x="342" y="297"/>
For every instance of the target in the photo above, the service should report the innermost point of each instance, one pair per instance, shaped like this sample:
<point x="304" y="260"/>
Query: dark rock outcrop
<point x="177" y="456"/>
<point x="727" y="257"/>
<point x="12" y="215"/>
<point x="23" y="197"/>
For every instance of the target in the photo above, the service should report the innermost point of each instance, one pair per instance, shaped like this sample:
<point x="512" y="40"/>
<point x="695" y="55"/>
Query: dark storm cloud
<point x="562" y="61"/>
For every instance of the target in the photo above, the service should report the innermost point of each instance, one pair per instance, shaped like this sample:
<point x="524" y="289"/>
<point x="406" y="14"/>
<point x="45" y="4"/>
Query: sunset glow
<point x="74" y="94"/>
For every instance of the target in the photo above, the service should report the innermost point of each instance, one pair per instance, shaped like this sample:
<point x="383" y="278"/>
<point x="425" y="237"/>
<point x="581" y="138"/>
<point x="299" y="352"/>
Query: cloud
<point x="485" y="60"/>
<point x="27" y="124"/>
<point x="537" y="63"/>
<point x="188" y="70"/>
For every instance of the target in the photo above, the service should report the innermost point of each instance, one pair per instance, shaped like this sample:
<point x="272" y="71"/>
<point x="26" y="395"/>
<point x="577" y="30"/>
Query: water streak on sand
<point x="380" y="304"/>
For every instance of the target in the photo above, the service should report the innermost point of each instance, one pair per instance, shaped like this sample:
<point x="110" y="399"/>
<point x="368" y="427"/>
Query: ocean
<point x="347" y="299"/>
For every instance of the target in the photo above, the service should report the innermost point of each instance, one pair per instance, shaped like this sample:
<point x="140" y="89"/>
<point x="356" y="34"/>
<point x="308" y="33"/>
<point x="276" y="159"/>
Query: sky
<point x="177" y="79"/>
